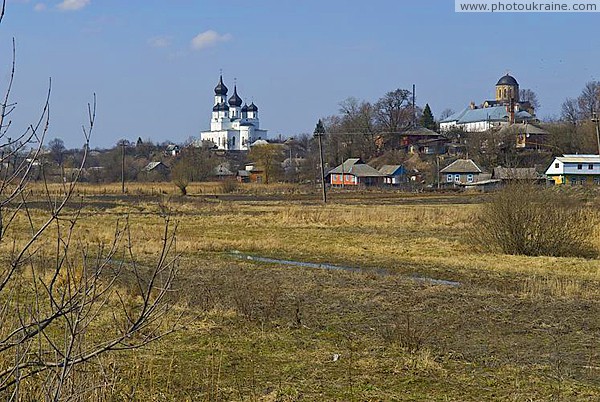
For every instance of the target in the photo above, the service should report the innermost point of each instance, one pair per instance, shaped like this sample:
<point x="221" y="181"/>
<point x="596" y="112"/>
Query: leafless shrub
<point x="530" y="220"/>
<point x="406" y="333"/>
<point x="229" y="186"/>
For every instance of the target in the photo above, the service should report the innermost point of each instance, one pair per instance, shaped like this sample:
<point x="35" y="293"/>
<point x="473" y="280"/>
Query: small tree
<point x="427" y="119"/>
<point x="181" y="174"/>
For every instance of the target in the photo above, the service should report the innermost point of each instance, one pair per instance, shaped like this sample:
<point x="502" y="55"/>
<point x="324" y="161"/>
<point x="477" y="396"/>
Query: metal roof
<point x="461" y="166"/>
<point x="421" y="131"/>
<point x="153" y="165"/>
<point x="353" y="167"/>
<point x="389" y="170"/>
<point x="504" y="173"/>
<point x="579" y="158"/>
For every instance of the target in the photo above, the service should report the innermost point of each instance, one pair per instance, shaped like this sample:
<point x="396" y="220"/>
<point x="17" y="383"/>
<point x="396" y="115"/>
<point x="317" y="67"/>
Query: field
<point x="408" y="310"/>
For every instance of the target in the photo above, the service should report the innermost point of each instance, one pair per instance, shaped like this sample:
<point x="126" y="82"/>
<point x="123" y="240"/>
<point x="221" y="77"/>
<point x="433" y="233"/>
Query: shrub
<point x="229" y="186"/>
<point x="531" y="220"/>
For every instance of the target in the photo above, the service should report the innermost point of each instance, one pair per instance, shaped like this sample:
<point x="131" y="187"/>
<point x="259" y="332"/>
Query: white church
<point x="233" y="127"/>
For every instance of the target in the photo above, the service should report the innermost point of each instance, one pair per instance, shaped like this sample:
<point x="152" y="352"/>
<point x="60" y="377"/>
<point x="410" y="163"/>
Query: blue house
<point x="393" y="174"/>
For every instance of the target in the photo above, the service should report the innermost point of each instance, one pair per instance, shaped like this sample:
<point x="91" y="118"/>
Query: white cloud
<point x="160" y="41"/>
<point x="208" y="38"/>
<point x="39" y="7"/>
<point x="72" y="5"/>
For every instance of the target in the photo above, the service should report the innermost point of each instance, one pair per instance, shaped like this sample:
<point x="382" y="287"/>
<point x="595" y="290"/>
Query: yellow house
<point x="575" y="170"/>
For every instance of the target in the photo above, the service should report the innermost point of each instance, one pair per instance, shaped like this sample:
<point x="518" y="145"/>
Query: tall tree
<point x="57" y="150"/>
<point x="570" y="111"/>
<point x="394" y="113"/>
<point x="427" y="119"/>
<point x="589" y="100"/>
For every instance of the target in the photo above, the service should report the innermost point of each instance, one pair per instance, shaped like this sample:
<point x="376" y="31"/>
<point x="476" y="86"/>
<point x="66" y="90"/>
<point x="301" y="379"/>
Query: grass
<point x="518" y="328"/>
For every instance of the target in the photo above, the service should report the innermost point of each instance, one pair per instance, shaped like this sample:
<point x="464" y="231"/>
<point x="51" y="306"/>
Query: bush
<point x="531" y="220"/>
<point x="229" y="186"/>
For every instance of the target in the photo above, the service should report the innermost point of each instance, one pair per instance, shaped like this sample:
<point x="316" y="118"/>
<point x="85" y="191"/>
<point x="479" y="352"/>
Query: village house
<point x="574" y="170"/>
<point x="393" y="175"/>
<point x="354" y="172"/>
<point x="461" y="171"/>
<point x="156" y="171"/>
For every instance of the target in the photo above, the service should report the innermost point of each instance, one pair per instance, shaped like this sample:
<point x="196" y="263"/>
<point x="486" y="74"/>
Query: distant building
<point x="354" y="172"/>
<point x="505" y="110"/>
<point x="461" y="171"/>
<point x="233" y="127"/>
<point x="575" y="170"/>
<point x="393" y="174"/>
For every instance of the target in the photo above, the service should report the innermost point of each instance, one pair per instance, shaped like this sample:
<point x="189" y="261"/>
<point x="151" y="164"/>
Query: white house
<point x="575" y="170"/>
<point x="233" y="127"/>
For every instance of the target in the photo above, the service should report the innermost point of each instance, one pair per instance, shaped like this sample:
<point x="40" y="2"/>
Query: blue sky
<point x="296" y="59"/>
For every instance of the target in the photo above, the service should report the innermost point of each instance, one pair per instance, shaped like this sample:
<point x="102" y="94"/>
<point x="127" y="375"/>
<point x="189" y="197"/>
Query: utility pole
<point x="123" y="166"/>
<point x="318" y="134"/>
<point x="597" y="121"/>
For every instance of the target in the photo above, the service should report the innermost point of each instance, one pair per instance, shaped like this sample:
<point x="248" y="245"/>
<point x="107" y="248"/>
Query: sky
<point x="153" y="65"/>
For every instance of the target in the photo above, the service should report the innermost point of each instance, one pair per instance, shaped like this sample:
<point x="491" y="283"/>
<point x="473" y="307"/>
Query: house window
<point x="590" y="166"/>
<point x="573" y="181"/>
<point x="597" y="181"/>
<point x="449" y="178"/>
<point x="457" y="177"/>
<point x="557" y="165"/>
<point x="470" y="178"/>
<point x="579" y="167"/>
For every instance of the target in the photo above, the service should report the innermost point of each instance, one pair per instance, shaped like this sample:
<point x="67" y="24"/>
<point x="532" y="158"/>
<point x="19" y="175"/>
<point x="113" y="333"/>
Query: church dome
<point x="244" y="108"/>
<point x="221" y="89"/>
<point x="253" y="107"/>
<point x="221" y="107"/>
<point x="507" y="80"/>
<point x="235" y="99"/>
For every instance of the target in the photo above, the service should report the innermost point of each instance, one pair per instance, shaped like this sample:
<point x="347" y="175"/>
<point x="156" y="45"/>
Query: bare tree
<point x="589" y="100"/>
<point x="528" y="95"/>
<point x="268" y="157"/>
<point x="446" y="113"/>
<point x="570" y="111"/>
<point x="66" y="303"/>
<point x="394" y="113"/>
<point x="57" y="150"/>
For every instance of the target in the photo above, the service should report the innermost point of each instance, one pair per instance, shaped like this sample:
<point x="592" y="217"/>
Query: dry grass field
<point x="515" y="328"/>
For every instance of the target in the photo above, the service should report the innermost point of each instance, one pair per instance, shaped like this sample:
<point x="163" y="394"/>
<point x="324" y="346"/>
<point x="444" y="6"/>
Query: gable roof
<point x="524" y="128"/>
<point x="355" y="167"/>
<point x="389" y="170"/>
<point x="461" y="166"/>
<point x="455" y="117"/>
<point x="420" y="131"/>
<point x="153" y="165"/>
<point x="504" y="173"/>
<point x="584" y="158"/>
<point x="494" y="113"/>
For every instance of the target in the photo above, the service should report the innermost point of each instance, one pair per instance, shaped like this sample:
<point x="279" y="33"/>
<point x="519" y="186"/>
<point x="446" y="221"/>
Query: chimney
<point x="510" y="108"/>
<point x="472" y="105"/>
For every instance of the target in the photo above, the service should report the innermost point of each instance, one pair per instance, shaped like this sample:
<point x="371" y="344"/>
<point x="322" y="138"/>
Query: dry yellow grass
<point x="246" y="332"/>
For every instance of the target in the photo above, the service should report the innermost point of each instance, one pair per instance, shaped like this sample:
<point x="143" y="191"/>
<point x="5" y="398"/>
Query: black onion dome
<point x="253" y="107"/>
<point x="507" y="80"/>
<point x="244" y="108"/>
<point x="235" y="99"/>
<point x="221" y="107"/>
<point x="221" y="89"/>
